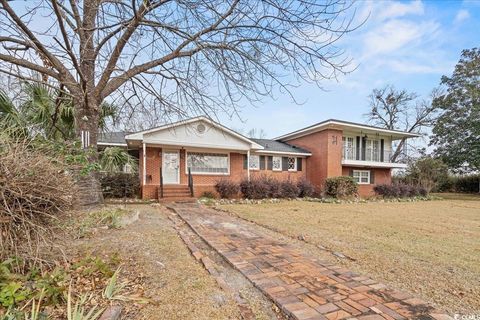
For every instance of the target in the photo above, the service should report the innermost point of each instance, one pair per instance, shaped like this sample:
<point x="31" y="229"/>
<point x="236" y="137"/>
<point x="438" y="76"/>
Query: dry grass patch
<point x="177" y="285"/>
<point x="431" y="249"/>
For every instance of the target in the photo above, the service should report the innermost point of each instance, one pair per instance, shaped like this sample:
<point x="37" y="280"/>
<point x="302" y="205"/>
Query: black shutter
<point x="357" y="149"/>
<point x="299" y="164"/>
<point x="372" y="176"/>
<point x="262" y="162"/>
<point x="382" y="148"/>
<point x="269" y="162"/>
<point x="245" y="161"/>
<point x="364" y="147"/>
<point x="284" y="163"/>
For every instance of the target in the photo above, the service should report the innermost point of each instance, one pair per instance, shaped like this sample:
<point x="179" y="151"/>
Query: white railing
<point x="370" y="155"/>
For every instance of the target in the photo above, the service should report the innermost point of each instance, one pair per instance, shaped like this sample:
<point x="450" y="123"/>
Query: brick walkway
<point x="302" y="286"/>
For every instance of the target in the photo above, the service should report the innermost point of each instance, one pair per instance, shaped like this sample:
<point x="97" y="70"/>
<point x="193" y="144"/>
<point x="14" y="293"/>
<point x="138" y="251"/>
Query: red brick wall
<point x="326" y="149"/>
<point x="381" y="176"/>
<point x="201" y="182"/>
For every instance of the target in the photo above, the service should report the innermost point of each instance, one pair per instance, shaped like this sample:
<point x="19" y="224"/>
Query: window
<point x="372" y="152"/>
<point x="292" y="164"/>
<point x="348" y="148"/>
<point x="215" y="163"/>
<point x="276" y="163"/>
<point x="361" y="176"/>
<point x="255" y="162"/>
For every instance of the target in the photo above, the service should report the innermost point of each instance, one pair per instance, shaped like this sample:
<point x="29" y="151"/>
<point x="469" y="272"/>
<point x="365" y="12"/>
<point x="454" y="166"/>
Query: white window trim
<point x="249" y="162"/>
<point x="207" y="173"/>
<point x="360" y="176"/>
<point x="281" y="159"/>
<point x="295" y="165"/>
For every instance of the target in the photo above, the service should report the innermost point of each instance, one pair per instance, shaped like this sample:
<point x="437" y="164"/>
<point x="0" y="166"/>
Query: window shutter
<point x="245" y="161"/>
<point x="357" y="149"/>
<point x="351" y="173"/>
<point x="262" y="162"/>
<point x="382" y="148"/>
<point x="372" y="176"/>
<point x="269" y="162"/>
<point x="299" y="164"/>
<point x="284" y="163"/>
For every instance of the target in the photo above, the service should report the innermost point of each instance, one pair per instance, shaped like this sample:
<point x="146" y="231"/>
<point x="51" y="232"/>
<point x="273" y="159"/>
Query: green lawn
<point x="430" y="248"/>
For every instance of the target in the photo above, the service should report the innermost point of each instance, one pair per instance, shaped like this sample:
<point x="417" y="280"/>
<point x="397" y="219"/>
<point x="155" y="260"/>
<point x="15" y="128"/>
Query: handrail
<point x="190" y="181"/>
<point x="161" y="183"/>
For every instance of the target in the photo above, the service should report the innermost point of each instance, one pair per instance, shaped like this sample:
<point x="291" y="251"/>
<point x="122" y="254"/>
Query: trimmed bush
<point x="227" y="188"/>
<point x="400" y="190"/>
<point x="289" y="189"/>
<point x="341" y="187"/>
<point x="274" y="188"/>
<point x="305" y="188"/>
<point x="120" y="185"/>
<point x="256" y="188"/>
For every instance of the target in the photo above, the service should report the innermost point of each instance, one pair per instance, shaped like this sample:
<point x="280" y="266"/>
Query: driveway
<point x="301" y="285"/>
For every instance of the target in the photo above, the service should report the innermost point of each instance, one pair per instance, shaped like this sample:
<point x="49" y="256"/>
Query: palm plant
<point x="114" y="159"/>
<point x="46" y="111"/>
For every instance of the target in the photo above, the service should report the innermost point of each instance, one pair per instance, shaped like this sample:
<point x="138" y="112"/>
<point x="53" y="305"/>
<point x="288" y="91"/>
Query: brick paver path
<point x="302" y="286"/>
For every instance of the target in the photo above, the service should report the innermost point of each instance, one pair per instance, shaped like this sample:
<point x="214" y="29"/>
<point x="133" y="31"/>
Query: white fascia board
<point x="325" y="125"/>
<point x="373" y="164"/>
<point x="174" y="143"/>
<point x="111" y="144"/>
<point x="284" y="153"/>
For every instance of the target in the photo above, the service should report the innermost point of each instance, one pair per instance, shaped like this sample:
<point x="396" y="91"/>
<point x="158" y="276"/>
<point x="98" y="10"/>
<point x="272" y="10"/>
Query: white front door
<point x="171" y="167"/>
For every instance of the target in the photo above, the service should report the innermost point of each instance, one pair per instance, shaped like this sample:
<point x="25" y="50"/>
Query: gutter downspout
<point x="144" y="169"/>
<point x="248" y="165"/>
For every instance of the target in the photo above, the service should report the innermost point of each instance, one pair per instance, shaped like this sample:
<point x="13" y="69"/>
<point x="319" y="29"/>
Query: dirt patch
<point x="179" y="287"/>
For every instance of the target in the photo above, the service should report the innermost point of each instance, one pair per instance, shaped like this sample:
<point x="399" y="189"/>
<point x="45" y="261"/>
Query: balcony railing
<point x="370" y="155"/>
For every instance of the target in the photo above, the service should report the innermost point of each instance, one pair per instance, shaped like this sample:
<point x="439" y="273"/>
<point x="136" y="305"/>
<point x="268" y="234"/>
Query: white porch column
<point x="144" y="179"/>
<point x="248" y="165"/>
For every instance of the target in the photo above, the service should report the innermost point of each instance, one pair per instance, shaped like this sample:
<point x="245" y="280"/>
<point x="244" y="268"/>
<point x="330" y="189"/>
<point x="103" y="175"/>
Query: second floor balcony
<point x="369" y="157"/>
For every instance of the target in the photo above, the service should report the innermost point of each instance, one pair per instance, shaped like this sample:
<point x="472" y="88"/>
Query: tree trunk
<point x="86" y="126"/>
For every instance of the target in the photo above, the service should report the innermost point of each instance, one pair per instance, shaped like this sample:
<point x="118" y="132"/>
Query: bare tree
<point x="181" y="56"/>
<point x="400" y="110"/>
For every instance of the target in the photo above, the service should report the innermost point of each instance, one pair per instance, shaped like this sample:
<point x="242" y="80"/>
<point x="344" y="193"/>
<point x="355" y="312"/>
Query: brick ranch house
<point x="211" y="151"/>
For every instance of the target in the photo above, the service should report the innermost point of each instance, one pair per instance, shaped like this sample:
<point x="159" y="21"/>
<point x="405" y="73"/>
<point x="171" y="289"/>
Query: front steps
<point x="175" y="193"/>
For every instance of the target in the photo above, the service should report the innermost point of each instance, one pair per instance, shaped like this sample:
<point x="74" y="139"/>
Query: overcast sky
<point x="409" y="44"/>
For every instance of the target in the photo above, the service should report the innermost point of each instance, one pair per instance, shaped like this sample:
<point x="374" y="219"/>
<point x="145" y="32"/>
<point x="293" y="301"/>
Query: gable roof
<point x="334" y="123"/>
<point x="139" y="136"/>
<point x="278" y="147"/>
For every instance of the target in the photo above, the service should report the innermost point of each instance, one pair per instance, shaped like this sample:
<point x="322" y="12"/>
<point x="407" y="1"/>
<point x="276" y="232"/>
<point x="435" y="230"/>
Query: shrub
<point x="470" y="183"/>
<point x="274" y="188"/>
<point x="208" y="195"/>
<point x="400" y="190"/>
<point x="289" y="189"/>
<point x="227" y="188"/>
<point x="256" y="188"/>
<point x="305" y="188"/>
<point x="35" y="186"/>
<point x="341" y="187"/>
<point x="120" y="185"/>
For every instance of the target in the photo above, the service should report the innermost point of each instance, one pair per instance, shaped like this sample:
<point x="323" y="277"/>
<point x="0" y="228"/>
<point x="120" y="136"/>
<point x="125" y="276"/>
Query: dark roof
<point x="112" y="137"/>
<point x="277" y="146"/>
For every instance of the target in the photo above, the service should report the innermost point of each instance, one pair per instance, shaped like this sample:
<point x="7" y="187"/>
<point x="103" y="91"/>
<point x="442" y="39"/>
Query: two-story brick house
<point x="198" y="152"/>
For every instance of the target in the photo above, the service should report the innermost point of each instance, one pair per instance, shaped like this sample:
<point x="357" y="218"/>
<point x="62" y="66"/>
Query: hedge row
<point x="264" y="187"/>
<point x="465" y="183"/>
<point x="400" y="190"/>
